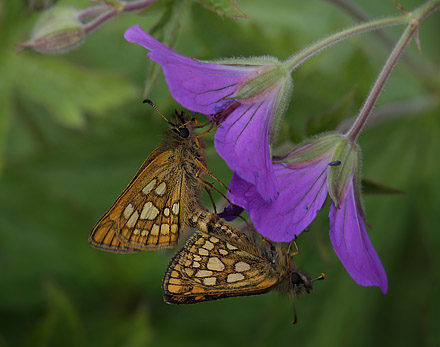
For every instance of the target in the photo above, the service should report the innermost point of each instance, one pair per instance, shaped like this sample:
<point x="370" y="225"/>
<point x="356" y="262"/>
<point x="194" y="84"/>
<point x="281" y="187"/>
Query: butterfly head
<point x="302" y="283"/>
<point x="183" y="125"/>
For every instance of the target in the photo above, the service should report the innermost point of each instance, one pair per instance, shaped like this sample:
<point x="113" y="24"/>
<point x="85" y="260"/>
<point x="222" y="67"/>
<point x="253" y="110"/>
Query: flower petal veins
<point x="302" y="193"/>
<point x="352" y="244"/>
<point x="199" y="86"/>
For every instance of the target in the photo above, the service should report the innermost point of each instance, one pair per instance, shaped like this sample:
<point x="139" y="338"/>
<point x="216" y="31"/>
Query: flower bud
<point x="58" y="30"/>
<point x="347" y="153"/>
<point x="312" y="150"/>
<point x="261" y="82"/>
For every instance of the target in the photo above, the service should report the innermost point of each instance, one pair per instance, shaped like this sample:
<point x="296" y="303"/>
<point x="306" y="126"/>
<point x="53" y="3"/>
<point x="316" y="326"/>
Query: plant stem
<point x="420" y="67"/>
<point x="415" y="18"/>
<point x="298" y="58"/>
<point x="111" y="12"/>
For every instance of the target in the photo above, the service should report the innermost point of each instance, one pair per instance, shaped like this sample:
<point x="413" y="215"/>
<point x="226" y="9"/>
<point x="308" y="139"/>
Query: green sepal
<point x="313" y="149"/>
<point x="57" y="31"/>
<point x="264" y="80"/>
<point x="347" y="153"/>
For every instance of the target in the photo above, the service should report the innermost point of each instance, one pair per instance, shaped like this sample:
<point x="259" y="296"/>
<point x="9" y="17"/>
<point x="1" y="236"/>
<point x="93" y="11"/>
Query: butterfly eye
<point x="183" y="132"/>
<point x="296" y="279"/>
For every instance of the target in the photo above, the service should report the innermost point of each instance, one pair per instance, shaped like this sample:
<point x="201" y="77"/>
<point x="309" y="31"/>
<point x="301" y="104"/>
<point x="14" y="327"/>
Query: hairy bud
<point x="57" y="31"/>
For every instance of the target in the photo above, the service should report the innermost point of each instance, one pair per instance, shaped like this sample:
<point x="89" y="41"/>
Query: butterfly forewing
<point x="151" y="217"/>
<point x="211" y="266"/>
<point x="104" y="237"/>
<point x="154" y="208"/>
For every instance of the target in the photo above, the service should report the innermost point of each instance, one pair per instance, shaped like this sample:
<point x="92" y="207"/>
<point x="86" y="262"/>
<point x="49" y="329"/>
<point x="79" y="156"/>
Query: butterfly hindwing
<point x="211" y="267"/>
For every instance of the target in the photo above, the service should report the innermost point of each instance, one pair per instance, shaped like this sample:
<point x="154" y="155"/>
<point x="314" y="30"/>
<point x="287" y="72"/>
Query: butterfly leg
<point x="209" y="173"/>
<point x="296" y="252"/>
<point x="206" y="183"/>
<point x="212" y="200"/>
<point x="211" y="129"/>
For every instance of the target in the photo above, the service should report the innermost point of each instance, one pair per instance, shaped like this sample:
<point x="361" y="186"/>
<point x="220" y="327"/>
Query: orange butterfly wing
<point x="146" y="215"/>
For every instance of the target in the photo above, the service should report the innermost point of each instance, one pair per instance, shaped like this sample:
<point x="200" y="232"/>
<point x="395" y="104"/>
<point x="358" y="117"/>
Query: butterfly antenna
<point x="319" y="278"/>
<point x="148" y="101"/>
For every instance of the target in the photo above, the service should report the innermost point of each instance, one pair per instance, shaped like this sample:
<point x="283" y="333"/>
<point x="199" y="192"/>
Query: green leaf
<point x="371" y="187"/>
<point x="165" y="30"/>
<point x="60" y="321"/>
<point x="67" y="91"/>
<point x="135" y="330"/>
<point x="223" y="8"/>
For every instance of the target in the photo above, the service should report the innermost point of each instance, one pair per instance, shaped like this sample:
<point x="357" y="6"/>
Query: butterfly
<point x="162" y="197"/>
<point x="222" y="262"/>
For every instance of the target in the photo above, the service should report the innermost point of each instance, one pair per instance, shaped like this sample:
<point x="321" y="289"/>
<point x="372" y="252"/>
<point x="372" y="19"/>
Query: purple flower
<point x="245" y="95"/>
<point x="327" y="165"/>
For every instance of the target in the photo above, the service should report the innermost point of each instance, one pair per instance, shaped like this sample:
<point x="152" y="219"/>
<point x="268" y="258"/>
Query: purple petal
<point x="198" y="86"/>
<point x="231" y="212"/>
<point x="302" y="194"/>
<point x="353" y="246"/>
<point x="242" y="140"/>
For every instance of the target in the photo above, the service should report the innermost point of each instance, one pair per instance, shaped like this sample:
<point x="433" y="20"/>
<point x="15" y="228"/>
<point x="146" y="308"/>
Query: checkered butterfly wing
<point x="152" y="211"/>
<point x="215" y="265"/>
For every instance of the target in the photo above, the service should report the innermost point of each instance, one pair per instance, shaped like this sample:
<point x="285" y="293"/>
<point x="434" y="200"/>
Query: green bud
<point x="313" y="149"/>
<point x="261" y="82"/>
<point x="347" y="153"/>
<point x="58" y="30"/>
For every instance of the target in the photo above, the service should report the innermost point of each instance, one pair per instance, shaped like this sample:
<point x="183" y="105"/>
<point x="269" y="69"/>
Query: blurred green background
<point x="73" y="132"/>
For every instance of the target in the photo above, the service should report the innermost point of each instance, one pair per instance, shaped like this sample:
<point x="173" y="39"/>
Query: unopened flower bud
<point x="347" y="153"/>
<point x="57" y="31"/>
<point x="261" y="82"/>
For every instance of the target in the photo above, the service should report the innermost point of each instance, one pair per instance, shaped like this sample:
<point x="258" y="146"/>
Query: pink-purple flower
<point x="327" y="165"/>
<point x="246" y="96"/>
<point x="282" y="195"/>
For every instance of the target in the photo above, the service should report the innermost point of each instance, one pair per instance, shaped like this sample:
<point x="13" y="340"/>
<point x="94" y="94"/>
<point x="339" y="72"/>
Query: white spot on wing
<point x="166" y="211"/>
<point x="149" y="187"/>
<point x="203" y="273"/>
<point x="242" y="266"/>
<point x="161" y="188"/>
<point x="208" y="245"/>
<point x="234" y="277"/>
<point x="174" y="228"/>
<point x="209" y="281"/>
<point x="128" y="211"/>
<point x="133" y="219"/>
<point x="155" y="230"/>
<point x="176" y="208"/>
<point x="215" y="264"/>
<point x="203" y="251"/>
<point x="230" y="246"/>
<point x="149" y="211"/>
<point x="164" y="229"/>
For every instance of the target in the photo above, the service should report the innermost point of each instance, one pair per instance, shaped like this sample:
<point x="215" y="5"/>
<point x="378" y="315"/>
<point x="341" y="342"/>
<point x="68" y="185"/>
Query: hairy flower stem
<point x="106" y="12"/>
<point x="415" y="18"/>
<point x="298" y="58"/>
